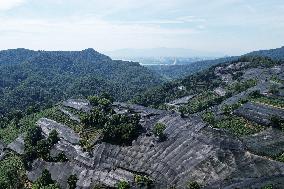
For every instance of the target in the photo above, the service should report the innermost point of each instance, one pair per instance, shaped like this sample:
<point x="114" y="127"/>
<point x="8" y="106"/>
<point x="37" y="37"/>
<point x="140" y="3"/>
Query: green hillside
<point x="33" y="80"/>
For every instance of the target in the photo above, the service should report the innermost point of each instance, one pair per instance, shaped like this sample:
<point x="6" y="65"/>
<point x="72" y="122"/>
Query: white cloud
<point x="186" y="19"/>
<point x="9" y="4"/>
<point x="228" y="25"/>
<point x="81" y="33"/>
<point x="179" y="20"/>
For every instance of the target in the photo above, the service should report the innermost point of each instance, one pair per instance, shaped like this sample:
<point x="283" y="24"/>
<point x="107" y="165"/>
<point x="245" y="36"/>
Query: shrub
<point x="280" y="158"/>
<point x="95" y="119"/>
<point x="202" y="102"/>
<point x="100" y="186"/>
<point x="267" y="187"/>
<point x="277" y="122"/>
<point x="143" y="180"/>
<point x="123" y="185"/>
<point x="43" y="147"/>
<point x="53" y="137"/>
<point x="72" y="181"/>
<point x="274" y="90"/>
<point x="36" y="146"/>
<point x="209" y="117"/>
<point x="242" y="86"/>
<point x="103" y="102"/>
<point x="182" y="111"/>
<point x="45" y="179"/>
<point x="255" y="94"/>
<point x="193" y="185"/>
<point x="121" y="134"/>
<point x="121" y="129"/>
<point x="11" y="172"/>
<point x="94" y="100"/>
<point x="238" y="125"/>
<point x="33" y="136"/>
<point x="159" y="129"/>
<point x="61" y="157"/>
<point x="107" y="96"/>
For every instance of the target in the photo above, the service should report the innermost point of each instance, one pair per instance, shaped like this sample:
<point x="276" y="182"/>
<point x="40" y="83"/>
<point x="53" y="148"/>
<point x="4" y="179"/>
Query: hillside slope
<point x="192" y="153"/>
<point x="206" y="80"/>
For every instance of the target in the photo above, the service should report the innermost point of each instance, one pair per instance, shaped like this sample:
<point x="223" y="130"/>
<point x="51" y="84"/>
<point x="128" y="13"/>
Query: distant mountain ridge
<point x="277" y="53"/>
<point x="178" y="71"/>
<point x="15" y="56"/>
<point x="171" y="72"/>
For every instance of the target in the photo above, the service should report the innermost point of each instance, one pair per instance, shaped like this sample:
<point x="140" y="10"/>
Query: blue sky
<point x="229" y="26"/>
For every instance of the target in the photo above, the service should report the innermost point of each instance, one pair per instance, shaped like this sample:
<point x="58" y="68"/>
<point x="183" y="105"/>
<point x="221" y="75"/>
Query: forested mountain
<point x="170" y="72"/>
<point x="37" y="79"/>
<point x="220" y="128"/>
<point x="272" y="53"/>
<point x="16" y="56"/>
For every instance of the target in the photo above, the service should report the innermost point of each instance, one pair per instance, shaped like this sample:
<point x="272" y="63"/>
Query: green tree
<point x="105" y="104"/>
<point x="45" y="179"/>
<point x="43" y="147"/>
<point x="274" y="90"/>
<point x="100" y="186"/>
<point x="209" y="117"/>
<point x="255" y="94"/>
<point x="29" y="155"/>
<point x="269" y="186"/>
<point x="159" y="129"/>
<point x="50" y="186"/>
<point x="121" y="129"/>
<point x="277" y="122"/>
<point x="227" y="109"/>
<point x="14" y="177"/>
<point x="182" y="111"/>
<point x="193" y="185"/>
<point x="123" y="185"/>
<point x="107" y="96"/>
<point x="143" y="181"/>
<point x="61" y="157"/>
<point x="72" y="181"/>
<point x="53" y="137"/>
<point x="94" y="100"/>
<point x="95" y="119"/>
<point x="122" y="133"/>
<point x="33" y="136"/>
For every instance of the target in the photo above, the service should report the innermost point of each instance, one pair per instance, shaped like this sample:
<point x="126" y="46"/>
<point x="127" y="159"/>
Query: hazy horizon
<point x="230" y="27"/>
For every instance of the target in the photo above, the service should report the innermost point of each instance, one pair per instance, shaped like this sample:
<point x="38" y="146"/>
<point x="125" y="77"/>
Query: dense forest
<point x="32" y="80"/>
